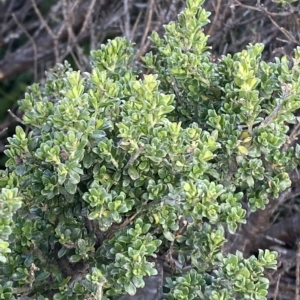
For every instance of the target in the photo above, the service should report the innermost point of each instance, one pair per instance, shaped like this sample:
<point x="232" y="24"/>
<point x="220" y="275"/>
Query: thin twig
<point x="264" y="10"/>
<point x="68" y="20"/>
<point x="15" y="117"/>
<point x="45" y="24"/>
<point x="216" y="17"/>
<point x="148" y="22"/>
<point x="144" y="47"/>
<point x="126" y="19"/>
<point x="49" y="30"/>
<point x="284" y="31"/>
<point x="3" y="130"/>
<point x="92" y="28"/>
<point x="292" y="137"/>
<point x="297" y="272"/>
<point x="71" y="38"/>
<point x="32" y="42"/>
<point x="87" y="18"/>
<point x="135" y="25"/>
<point x="286" y="92"/>
<point x="277" y="288"/>
<point x="285" y="195"/>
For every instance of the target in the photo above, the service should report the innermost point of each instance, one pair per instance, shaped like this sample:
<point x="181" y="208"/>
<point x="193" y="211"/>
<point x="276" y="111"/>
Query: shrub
<point x="131" y="174"/>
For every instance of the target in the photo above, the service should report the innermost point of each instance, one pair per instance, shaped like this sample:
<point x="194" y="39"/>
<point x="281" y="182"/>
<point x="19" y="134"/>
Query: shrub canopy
<point x="135" y="171"/>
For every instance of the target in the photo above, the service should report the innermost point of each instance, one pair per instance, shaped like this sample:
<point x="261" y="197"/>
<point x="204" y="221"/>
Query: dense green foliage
<point x="122" y="167"/>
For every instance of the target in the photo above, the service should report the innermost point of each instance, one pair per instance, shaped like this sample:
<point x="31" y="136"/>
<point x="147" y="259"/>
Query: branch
<point x="23" y="59"/>
<point x="257" y="223"/>
<point x="285" y="231"/>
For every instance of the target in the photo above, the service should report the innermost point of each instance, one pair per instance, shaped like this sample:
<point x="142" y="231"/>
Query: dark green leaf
<point x="42" y="276"/>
